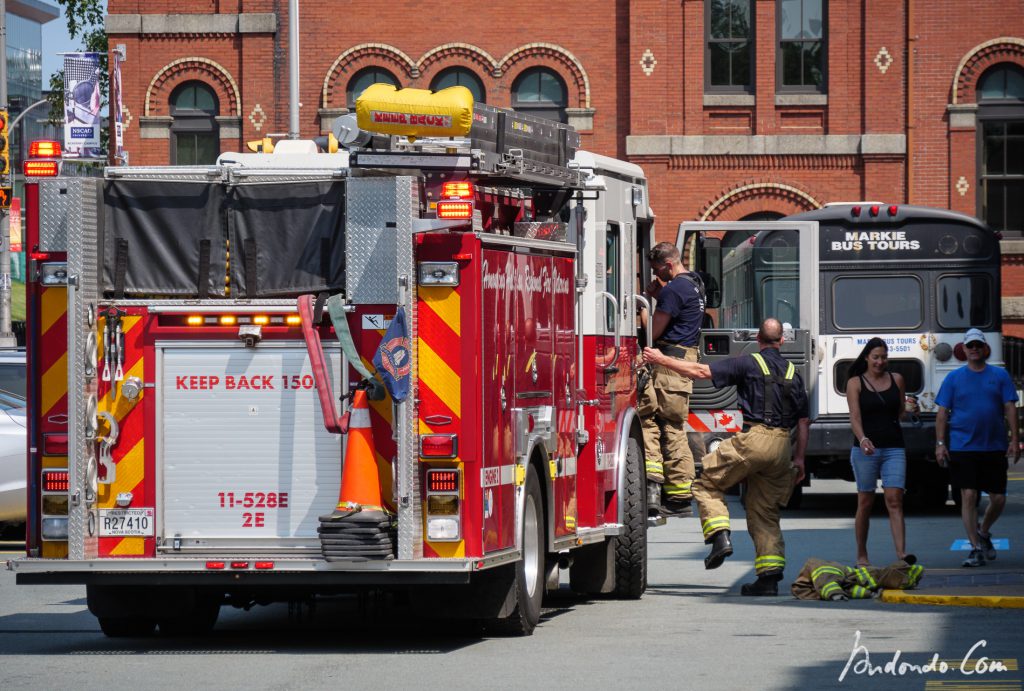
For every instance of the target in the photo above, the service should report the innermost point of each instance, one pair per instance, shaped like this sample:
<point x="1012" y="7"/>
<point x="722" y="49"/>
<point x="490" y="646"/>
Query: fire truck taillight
<point x="261" y="320"/>
<point x="56" y="481"/>
<point x="454" y="210"/>
<point x="293" y="320"/>
<point x="462" y="189"/>
<point x="44" y="149"/>
<point x="439" y="446"/>
<point x="41" y="169"/>
<point x="443" y="491"/>
<point x="194" y="320"/>
<point x="228" y="320"/>
<point x="439" y="274"/>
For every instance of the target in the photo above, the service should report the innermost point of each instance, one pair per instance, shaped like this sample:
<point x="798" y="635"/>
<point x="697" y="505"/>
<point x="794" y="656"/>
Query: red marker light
<point x="454" y="210"/>
<point x="874" y="210"/>
<point x="893" y="209"/>
<point x="462" y="189"/>
<point x="439" y="445"/>
<point x="443" y="481"/>
<point x="56" y="480"/>
<point x="855" y="212"/>
<point x="215" y="565"/>
<point x="41" y="169"/>
<point x="264" y="565"/>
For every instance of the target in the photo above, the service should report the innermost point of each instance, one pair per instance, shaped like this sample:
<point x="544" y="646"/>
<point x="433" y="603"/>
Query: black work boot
<point x="653" y="498"/>
<point x="676" y="507"/>
<point x="766" y="584"/>
<point x="721" y="547"/>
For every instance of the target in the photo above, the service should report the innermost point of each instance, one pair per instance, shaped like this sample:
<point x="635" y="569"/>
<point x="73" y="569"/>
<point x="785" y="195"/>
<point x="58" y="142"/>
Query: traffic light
<point x="5" y="152"/>
<point x="261" y="146"/>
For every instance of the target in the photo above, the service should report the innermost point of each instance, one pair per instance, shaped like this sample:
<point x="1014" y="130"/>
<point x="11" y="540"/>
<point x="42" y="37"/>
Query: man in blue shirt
<point x="664" y="403"/>
<point x="974" y="400"/>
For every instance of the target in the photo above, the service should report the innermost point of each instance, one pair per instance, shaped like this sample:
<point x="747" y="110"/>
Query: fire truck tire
<point x="631" y="546"/>
<point x="526" y="577"/>
<point x="115" y="627"/>
<point x="197" y="620"/>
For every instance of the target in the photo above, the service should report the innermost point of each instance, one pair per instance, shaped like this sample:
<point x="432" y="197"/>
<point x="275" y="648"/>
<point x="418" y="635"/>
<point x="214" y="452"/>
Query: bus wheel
<point x="526" y="576"/>
<point x="631" y="545"/>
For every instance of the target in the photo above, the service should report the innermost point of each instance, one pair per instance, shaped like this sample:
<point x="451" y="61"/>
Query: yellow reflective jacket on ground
<point x="830" y="580"/>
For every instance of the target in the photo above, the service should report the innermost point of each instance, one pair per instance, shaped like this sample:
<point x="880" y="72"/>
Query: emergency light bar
<point x="41" y="169"/>
<point x="44" y="148"/>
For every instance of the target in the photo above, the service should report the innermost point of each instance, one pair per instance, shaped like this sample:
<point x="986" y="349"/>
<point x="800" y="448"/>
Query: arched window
<point x="195" y="136"/>
<point x="1001" y="145"/>
<point x="364" y="78"/>
<point x="460" y="76"/>
<point x="539" y="91"/>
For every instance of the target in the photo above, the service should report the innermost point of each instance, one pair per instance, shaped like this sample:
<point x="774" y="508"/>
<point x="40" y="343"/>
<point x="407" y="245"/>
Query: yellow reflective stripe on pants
<point x="678" y="490"/>
<point x="860" y="592"/>
<point x="865" y="578"/>
<point x="914" y="575"/>
<point x="835" y="571"/>
<point x="829" y="588"/>
<point x="654" y="467"/>
<point x="771" y="562"/>
<point x="714" y="524"/>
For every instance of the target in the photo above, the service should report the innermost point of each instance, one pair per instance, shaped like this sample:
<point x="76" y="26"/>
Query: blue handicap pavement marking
<point x="1000" y="543"/>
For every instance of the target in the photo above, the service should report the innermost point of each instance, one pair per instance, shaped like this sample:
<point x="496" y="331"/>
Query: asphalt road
<point x="692" y="629"/>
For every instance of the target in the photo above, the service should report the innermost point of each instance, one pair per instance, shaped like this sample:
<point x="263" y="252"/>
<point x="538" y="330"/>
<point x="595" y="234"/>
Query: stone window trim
<point x="720" y="99"/>
<point x="762" y="145"/>
<point x="791" y="99"/>
<point x="159" y="126"/>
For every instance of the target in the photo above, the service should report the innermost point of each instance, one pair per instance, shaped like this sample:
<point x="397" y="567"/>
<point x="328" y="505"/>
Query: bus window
<point x="912" y="371"/>
<point x="964" y="301"/>
<point x="871" y="303"/>
<point x="781" y="300"/>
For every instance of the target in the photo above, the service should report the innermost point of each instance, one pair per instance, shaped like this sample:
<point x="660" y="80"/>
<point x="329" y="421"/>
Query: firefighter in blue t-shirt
<point x="974" y="400"/>
<point x="664" y="402"/>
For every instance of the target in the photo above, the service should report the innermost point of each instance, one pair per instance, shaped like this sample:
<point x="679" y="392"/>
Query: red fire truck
<point x="184" y="450"/>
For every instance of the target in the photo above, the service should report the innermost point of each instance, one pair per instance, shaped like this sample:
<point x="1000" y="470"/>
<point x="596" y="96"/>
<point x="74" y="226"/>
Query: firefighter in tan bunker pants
<point x="772" y="397"/>
<point x="664" y="402"/>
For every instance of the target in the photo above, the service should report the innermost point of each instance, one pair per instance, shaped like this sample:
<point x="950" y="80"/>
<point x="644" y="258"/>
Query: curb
<point x="990" y="601"/>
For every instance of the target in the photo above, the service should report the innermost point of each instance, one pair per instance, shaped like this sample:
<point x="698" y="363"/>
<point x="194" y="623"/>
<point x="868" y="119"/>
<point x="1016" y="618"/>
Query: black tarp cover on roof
<point x="182" y="239"/>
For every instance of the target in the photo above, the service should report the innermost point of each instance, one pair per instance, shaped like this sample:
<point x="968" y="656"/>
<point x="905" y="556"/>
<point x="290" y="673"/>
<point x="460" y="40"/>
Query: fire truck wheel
<point x="528" y="579"/>
<point x="198" y="620"/>
<point x="631" y="546"/>
<point x="116" y="627"/>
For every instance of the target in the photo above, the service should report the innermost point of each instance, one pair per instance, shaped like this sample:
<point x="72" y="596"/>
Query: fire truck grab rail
<point x="315" y="348"/>
<point x="602" y="296"/>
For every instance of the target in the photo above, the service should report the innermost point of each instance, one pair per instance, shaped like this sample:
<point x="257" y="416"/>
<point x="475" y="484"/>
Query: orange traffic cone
<point x="360" y="482"/>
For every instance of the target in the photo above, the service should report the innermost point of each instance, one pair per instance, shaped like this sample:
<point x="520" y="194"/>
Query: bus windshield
<point x="759" y="278"/>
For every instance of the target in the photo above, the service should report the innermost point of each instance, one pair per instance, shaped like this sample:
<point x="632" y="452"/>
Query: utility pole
<point x="7" y="339"/>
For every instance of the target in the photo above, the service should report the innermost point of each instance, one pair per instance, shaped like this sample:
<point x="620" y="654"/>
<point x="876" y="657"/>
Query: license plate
<point x="126" y="522"/>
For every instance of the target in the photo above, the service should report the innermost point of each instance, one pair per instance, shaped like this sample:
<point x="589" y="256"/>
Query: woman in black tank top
<point x="876" y="399"/>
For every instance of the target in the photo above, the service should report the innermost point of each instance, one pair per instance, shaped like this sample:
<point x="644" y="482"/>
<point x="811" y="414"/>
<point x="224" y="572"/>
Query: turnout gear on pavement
<point x="830" y="580"/>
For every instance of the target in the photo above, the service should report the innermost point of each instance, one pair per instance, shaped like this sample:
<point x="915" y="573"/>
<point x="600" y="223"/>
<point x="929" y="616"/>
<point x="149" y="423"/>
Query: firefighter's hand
<point x="654" y="288"/>
<point x="801" y="471"/>
<point x="654" y="356"/>
<point x="942" y="455"/>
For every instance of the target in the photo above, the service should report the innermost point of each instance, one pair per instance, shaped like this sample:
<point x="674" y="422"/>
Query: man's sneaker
<point x="986" y="544"/>
<point x="976" y="558"/>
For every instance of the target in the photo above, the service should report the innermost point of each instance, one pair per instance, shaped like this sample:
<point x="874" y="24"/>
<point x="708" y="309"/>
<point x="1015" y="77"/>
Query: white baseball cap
<point x="974" y="335"/>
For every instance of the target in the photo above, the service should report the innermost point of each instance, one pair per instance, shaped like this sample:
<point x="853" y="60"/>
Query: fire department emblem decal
<point x="395" y="357"/>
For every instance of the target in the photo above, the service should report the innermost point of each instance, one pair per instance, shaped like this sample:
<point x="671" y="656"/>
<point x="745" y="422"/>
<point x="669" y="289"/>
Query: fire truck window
<point x="541" y="92"/>
<point x="195" y="136"/>
<point x="459" y="76"/>
<point x="869" y="303"/>
<point x="964" y="301"/>
<point x="612" y="280"/>
<point x="12" y="380"/>
<point x="364" y="78"/>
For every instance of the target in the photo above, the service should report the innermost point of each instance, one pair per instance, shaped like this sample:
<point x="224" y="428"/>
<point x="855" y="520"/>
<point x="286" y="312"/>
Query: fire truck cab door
<point x="754" y="270"/>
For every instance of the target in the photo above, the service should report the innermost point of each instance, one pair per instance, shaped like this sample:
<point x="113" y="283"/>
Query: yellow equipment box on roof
<point x="415" y="113"/>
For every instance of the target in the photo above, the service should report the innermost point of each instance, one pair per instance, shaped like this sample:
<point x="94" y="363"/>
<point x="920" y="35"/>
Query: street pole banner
<point x="119" y="156"/>
<point x="82" y="105"/>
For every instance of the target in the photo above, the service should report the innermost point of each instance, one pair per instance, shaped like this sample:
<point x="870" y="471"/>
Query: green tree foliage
<point x="85" y="22"/>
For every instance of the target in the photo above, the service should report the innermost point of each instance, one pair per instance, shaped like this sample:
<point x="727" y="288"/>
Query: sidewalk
<point x="983" y="587"/>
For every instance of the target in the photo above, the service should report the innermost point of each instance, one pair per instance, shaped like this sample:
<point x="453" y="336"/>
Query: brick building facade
<point x="734" y="108"/>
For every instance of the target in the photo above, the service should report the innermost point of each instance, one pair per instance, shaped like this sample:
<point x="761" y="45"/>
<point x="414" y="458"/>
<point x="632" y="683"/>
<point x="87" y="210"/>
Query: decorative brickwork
<point x="187" y="69"/>
<point x="979" y="59"/>
<point x="758" y="196"/>
<point x="557" y="58"/>
<point x="358" y="57"/>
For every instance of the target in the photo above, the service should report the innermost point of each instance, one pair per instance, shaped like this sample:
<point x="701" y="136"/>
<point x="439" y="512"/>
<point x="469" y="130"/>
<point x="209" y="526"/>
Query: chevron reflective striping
<point x="54" y="386"/>
<point x="445" y="303"/>
<point x="53" y="306"/>
<point x="442" y="380"/>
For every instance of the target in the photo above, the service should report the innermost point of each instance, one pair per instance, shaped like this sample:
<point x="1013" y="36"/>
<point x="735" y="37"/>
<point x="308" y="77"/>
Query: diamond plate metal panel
<point x="376" y="208"/>
<point x="78" y="200"/>
<point x="410" y="508"/>
<point x="59" y="204"/>
<point x="169" y="173"/>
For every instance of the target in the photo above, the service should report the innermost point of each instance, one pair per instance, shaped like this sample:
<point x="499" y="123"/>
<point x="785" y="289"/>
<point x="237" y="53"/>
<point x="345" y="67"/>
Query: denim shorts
<point x="888" y="464"/>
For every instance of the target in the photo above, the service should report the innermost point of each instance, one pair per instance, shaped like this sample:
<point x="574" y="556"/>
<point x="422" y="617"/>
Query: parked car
<point x="13" y="436"/>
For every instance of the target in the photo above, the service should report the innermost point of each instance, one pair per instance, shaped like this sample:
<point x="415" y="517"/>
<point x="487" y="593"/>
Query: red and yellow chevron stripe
<point x="130" y="451"/>
<point x="53" y="384"/>
<point x="440" y="377"/>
